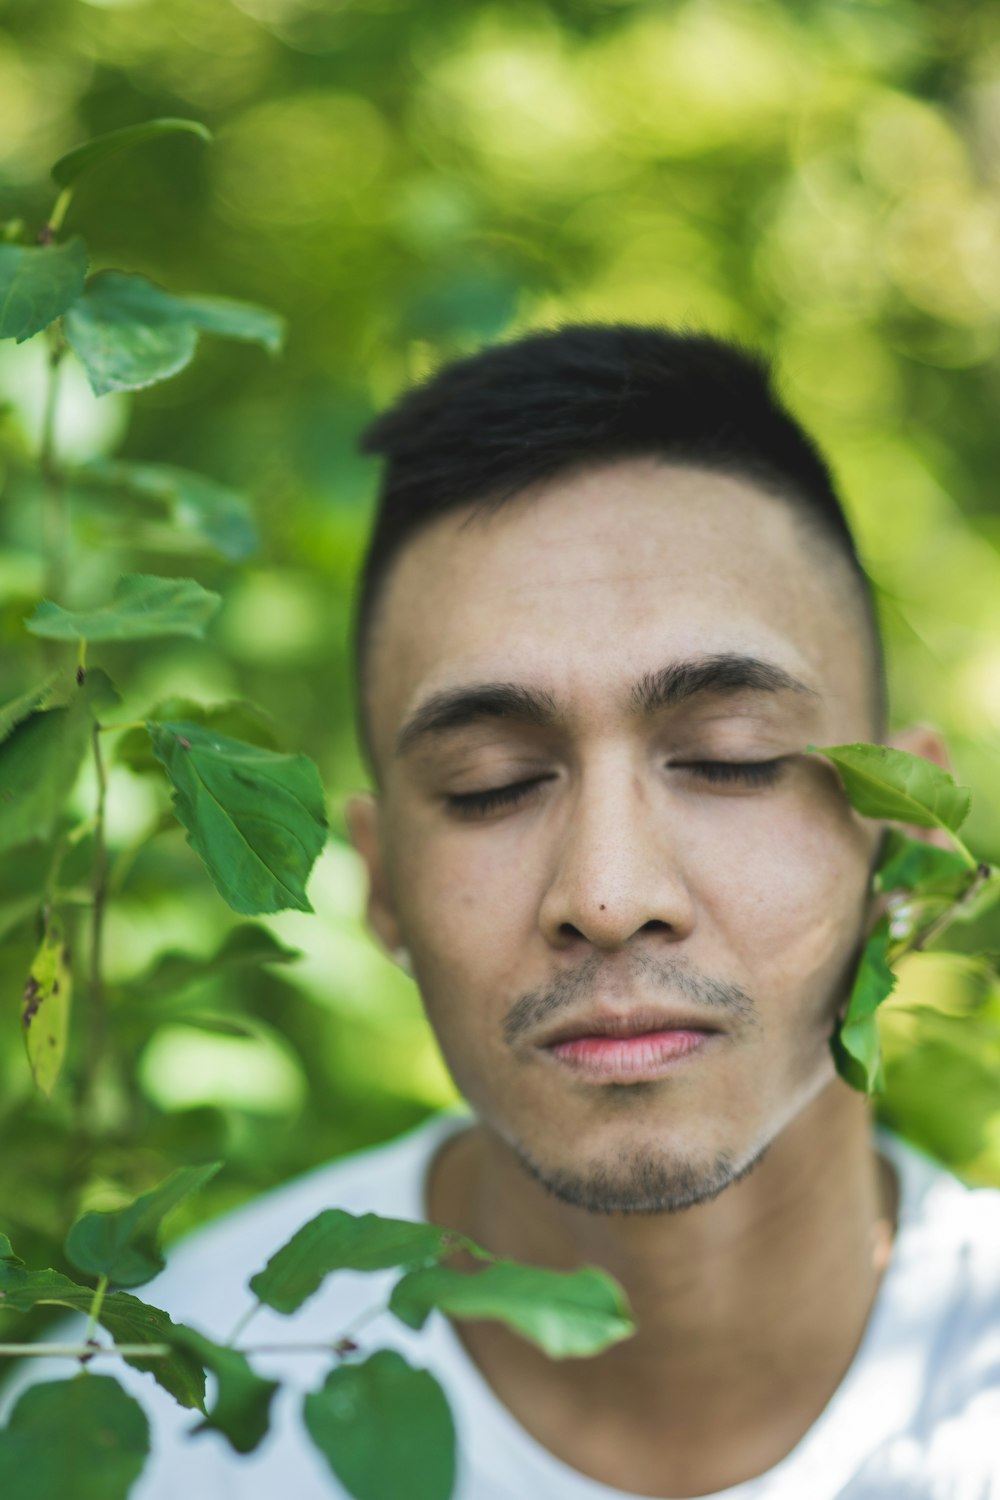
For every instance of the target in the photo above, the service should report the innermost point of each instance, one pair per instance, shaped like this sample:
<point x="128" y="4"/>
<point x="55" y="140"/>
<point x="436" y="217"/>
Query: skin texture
<point x="738" y="1197"/>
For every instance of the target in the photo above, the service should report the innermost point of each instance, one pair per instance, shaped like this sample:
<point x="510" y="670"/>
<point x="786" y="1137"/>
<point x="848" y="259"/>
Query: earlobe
<point x="361" y="813"/>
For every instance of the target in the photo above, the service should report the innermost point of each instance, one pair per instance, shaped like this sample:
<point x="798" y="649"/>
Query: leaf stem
<point x="944" y="919"/>
<point x="97" y="1027"/>
<point x="242" y="1322"/>
<point x="95" y="1307"/>
<point x="58" y="215"/>
<point x="56" y="507"/>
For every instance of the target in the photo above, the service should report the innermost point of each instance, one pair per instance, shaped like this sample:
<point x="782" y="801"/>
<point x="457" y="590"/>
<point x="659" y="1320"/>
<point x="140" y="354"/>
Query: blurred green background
<point x="404" y="182"/>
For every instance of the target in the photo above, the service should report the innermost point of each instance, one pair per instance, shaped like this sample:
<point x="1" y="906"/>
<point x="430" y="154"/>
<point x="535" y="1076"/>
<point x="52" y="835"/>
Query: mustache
<point x="535" y="1007"/>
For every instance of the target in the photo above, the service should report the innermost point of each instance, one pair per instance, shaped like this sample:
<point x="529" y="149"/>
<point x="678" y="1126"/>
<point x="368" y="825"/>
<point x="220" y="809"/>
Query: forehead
<point x="594" y="578"/>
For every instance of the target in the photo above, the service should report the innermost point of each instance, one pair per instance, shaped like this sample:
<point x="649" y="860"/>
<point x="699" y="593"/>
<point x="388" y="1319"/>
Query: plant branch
<point x="97" y="1022"/>
<point x="53" y="479"/>
<point x="919" y="940"/>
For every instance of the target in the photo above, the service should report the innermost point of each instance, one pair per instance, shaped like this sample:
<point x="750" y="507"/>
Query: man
<point x="609" y="601"/>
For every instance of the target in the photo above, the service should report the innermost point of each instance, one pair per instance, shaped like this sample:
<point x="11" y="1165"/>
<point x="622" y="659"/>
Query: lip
<point x="624" y="1026"/>
<point x="637" y="1059"/>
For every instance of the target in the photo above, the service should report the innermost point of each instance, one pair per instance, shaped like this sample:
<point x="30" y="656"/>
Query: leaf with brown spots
<point x="45" y="1010"/>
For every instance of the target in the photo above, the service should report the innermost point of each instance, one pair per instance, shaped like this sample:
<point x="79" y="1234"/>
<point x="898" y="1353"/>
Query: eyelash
<point x="750" y="772"/>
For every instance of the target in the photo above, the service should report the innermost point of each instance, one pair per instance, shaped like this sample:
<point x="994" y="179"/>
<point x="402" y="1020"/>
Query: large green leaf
<point x="236" y="717"/>
<point x="256" y="818"/>
<point x="197" y="506"/>
<point x="71" y="166"/>
<point x="123" y="1245"/>
<point x="885" y="783"/>
<point x="385" y="1429"/>
<point x="566" y="1313"/>
<point x="83" y="1438"/>
<point x="142" y="607"/>
<point x="45" y="1006"/>
<point x="128" y="332"/>
<point x="243" y="1399"/>
<point x="38" y="284"/>
<point x="856" y="1048"/>
<point x="40" y="760"/>
<point x="339" y="1241"/>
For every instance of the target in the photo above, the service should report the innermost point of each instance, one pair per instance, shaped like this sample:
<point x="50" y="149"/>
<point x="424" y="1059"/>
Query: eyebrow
<point x="719" y="675"/>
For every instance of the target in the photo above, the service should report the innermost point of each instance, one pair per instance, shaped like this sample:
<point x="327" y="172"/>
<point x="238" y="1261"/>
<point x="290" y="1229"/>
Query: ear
<point x="924" y="740"/>
<point x="362" y="815"/>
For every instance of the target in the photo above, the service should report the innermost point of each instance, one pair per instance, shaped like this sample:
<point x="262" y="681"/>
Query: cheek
<point x="793" y="895"/>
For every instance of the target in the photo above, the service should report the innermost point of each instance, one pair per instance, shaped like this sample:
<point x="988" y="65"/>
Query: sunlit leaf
<point x="241" y="1411"/>
<point x="126" y="333"/>
<point x="45" y="1007"/>
<point x="236" y="717"/>
<point x="84" y="1438"/>
<point x="337" y="1241"/>
<point x="71" y="166"/>
<point x="255" y="817"/>
<point x="885" y="783"/>
<point x="245" y="947"/>
<point x="235" y="320"/>
<point x="566" y="1313"/>
<point x="142" y="607"/>
<point x="38" y="284"/>
<point x="124" y="1244"/>
<point x="7" y="1252"/>
<point x="197" y="506"/>
<point x="385" y="1429"/>
<point x="856" y="1047"/>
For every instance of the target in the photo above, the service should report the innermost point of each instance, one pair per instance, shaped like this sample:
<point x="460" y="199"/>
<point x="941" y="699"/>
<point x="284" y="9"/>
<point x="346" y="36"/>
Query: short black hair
<point x="487" y="426"/>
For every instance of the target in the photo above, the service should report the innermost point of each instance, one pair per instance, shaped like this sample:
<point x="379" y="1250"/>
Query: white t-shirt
<point x="917" y="1416"/>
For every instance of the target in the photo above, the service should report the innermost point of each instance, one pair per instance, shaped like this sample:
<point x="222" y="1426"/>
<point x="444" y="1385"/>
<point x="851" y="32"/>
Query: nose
<point x="618" y="868"/>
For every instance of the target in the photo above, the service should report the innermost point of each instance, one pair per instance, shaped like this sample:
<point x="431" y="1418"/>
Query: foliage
<point x="402" y="184"/>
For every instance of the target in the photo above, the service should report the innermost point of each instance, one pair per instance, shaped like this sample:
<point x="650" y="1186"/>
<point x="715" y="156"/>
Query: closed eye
<point x="478" y="804"/>
<point x="749" y="772"/>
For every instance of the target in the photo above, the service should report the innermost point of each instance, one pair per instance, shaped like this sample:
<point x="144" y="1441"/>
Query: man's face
<point x="603" y="646"/>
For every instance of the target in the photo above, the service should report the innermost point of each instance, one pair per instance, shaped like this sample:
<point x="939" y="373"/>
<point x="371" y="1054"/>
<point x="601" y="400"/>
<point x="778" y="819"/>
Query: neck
<point x="749" y="1305"/>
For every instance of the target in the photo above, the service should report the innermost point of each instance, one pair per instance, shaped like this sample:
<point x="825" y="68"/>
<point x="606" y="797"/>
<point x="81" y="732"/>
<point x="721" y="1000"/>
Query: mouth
<point x="637" y="1047"/>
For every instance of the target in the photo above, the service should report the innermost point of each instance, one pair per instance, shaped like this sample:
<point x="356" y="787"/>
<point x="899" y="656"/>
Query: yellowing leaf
<point x="45" y="1010"/>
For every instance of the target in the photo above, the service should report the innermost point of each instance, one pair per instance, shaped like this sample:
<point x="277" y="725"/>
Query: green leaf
<point x="58" y="689"/>
<point x="243" y="1399"/>
<point x="339" y="1241"/>
<point x="856" y="1047"/>
<point x="126" y="1318"/>
<point x="38" y="284"/>
<point x="71" y="166"/>
<point x="236" y="717"/>
<point x="385" y="1429"/>
<point x="913" y="865"/>
<point x="235" y="320"/>
<point x="142" y="608"/>
<point x="247" y="946"/>
<point x="885" y="783"/>
<point x="255" y="817"/>
<point x="7" y="1252"/>
<point x="197" y="506"/>
<point x="45" y="1007"/>
<point x="123" y="1245"/>
<point x="84" y="1438"/>
<point x="40" y="760"/>
<point x="566" y="1313"/>
<point x="126" y="333"/>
